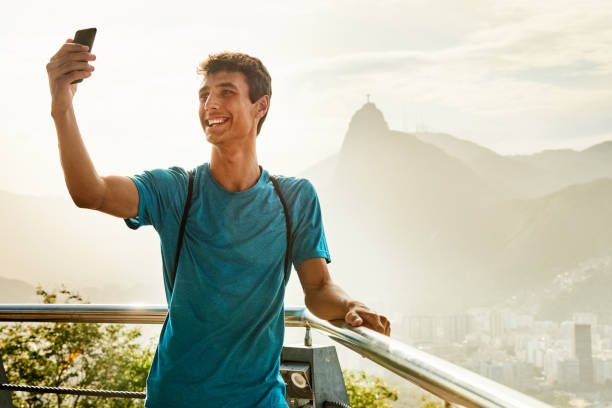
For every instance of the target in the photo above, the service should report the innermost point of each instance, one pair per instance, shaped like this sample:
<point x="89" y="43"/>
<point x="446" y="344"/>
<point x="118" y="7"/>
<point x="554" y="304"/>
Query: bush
<point x="365" y="391"/>
<point x="75" y="355"/>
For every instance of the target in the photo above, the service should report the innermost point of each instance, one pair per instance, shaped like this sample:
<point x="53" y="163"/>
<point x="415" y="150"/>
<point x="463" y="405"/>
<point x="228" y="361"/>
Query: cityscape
<point x="571" y="358"/>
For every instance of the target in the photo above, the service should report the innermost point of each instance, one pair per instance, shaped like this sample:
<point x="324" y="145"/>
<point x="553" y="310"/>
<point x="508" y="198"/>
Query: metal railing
<point x="453" y="384"/>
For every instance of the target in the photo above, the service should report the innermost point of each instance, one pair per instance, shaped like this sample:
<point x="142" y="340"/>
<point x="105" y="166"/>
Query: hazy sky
<point x="517" y="77"/>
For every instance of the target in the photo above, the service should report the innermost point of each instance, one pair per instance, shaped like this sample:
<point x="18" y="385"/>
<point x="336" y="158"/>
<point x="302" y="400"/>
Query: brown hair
<point x="257" y="76"/>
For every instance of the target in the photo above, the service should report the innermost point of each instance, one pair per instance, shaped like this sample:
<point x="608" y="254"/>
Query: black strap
<point x="179" y="245"/>
<point x="288" y="227"/>
<point x="184" y="221"/>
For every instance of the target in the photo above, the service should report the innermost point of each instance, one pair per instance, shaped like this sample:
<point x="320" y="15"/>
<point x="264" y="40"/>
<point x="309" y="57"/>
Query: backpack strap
<point x="288" y="227"/>
<point x="182" y="230"/>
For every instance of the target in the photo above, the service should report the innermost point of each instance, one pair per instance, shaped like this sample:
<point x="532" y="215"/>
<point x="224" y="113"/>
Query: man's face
<point x="226" y="112"/>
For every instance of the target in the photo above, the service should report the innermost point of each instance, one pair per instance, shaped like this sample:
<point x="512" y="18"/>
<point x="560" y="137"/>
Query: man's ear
<point x="262" y="105"/>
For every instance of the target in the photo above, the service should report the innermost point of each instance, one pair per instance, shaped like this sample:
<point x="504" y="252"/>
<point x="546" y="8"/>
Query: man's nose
<point x="211" y="102"/>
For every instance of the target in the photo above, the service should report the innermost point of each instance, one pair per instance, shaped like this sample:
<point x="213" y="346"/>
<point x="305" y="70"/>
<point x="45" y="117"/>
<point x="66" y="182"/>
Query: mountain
<point x="557" y="233"/>
<point x="567" y="167"/>
<point x="528" y="176"/>
<point x="600" y="152"/>
<point x="509" y="177"/>
<point x="429" y="219"/>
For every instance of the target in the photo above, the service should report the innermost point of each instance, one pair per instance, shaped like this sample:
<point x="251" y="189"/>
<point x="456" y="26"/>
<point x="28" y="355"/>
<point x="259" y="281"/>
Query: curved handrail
<point x="443" y="379"/>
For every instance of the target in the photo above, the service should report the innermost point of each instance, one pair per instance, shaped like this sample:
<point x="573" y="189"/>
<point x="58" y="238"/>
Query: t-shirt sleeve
<point x="160" y="193"/>
<point x="308" y="233"/>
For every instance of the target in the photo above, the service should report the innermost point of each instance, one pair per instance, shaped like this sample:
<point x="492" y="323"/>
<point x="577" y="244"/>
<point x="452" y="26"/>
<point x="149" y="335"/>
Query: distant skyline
<point x="516" y="77"/>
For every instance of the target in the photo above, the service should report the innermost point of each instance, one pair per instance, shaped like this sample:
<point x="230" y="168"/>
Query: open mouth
<point x="216" y="122"/>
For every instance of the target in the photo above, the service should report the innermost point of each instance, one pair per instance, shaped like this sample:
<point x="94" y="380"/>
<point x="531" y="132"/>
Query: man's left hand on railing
<point x="328" y="301"/>
<point x="361" y="315"/>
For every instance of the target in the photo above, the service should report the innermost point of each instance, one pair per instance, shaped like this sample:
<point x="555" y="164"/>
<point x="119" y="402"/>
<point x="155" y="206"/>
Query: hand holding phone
<point x="70" y="63"/>
<point x="84" y="37"/>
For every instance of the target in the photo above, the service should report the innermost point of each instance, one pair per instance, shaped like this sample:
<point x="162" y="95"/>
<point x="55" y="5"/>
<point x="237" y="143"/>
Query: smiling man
<point x="221" y="343"/>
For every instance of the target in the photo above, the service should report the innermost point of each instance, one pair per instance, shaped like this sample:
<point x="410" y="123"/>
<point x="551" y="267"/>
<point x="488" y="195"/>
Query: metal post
<point x="5" y="396"/>
<point x="307" y="338"/>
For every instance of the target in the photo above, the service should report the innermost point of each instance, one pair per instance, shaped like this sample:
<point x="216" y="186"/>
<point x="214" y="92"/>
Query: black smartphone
<point x="84" y="37"/>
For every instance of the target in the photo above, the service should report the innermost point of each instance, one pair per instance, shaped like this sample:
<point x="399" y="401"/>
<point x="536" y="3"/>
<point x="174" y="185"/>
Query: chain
<point x="73" y="391"/>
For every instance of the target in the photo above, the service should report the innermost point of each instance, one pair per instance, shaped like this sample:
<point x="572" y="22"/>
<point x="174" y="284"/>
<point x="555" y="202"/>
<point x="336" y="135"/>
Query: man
<point x="222" y="340"/>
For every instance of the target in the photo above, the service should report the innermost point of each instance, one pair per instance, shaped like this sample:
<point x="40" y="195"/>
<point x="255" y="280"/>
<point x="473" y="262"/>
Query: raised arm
<point x="328" y="301"/>
<point x="115" y="195"/>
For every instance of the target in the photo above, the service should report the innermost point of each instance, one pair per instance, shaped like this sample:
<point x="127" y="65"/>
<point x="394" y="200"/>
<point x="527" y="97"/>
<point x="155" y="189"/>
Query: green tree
<point x="366" y="391"/>
<point x="77" y="355"/>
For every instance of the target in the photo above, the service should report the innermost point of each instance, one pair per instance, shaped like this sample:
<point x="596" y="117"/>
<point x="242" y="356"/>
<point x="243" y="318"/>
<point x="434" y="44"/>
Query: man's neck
<point x="236" y="170"/>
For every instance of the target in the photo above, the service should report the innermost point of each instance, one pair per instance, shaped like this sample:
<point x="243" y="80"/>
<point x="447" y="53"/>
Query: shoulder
<point x="298" y="192"/>
<point x="295" y="186"/>
<point x="169" y="180"/>
<point x="170" y="174"/>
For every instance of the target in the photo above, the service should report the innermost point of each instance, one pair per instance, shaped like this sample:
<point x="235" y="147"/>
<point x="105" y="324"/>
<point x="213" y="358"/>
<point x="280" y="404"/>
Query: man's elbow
<point x="91" y="197"/>
<point x="83" y="202"/>
<point x="88" y="201"/>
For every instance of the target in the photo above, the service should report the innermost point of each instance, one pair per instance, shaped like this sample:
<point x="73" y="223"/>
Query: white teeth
<point x="215" y="121"/>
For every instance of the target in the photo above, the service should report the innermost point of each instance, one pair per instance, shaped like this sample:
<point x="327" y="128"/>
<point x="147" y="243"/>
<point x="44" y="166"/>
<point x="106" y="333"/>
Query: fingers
<point x="74" y="75"/>
<point x="63" y="59"/>
<point x="68" y="53"/>
<point x="370" y="319"/>
<point x="353" y="319"/>
<point x="69" y="47"/>
<point x="70" y="72"/>
<point x="387" y="325"/>
<point x="380" y="323"/>
<point x="81" y="56"/>
<point x="70" y="59"/>
<point x="70" y="66"/>
<point x="373" y="321"/>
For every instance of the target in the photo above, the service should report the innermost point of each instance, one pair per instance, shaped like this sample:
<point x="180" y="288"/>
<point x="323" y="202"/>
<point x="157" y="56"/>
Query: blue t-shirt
<point x="224" y="334"/>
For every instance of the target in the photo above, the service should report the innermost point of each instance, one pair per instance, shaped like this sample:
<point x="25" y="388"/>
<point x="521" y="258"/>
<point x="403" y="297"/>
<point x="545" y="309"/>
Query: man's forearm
<point x="329" y="302"/>
<point x="84" y="184"/>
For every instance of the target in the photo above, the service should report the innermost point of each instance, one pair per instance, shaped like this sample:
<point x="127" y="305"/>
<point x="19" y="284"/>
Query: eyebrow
<point x="221" y="85"/>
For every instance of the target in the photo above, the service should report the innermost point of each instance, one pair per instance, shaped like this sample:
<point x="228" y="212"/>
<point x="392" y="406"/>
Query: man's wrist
<point x="61" y="113"/>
